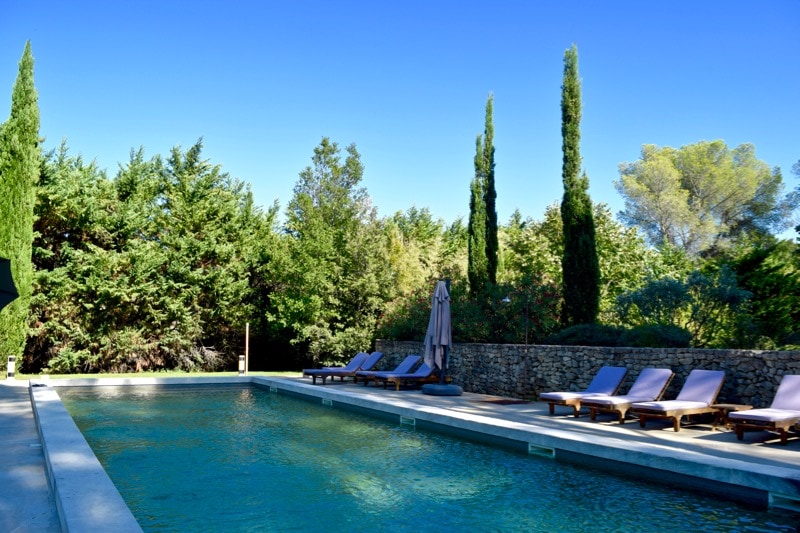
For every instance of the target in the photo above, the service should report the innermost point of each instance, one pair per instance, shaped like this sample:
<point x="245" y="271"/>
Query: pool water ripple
<point x="232" y="458"/>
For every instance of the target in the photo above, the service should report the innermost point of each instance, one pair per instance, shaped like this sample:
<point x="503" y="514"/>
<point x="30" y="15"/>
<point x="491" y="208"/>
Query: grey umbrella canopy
<point x="439" y="337"/>
<point x="8" y="291"/>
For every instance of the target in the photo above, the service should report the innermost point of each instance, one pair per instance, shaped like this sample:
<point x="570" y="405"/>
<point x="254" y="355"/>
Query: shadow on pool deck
<point x="757" y="470"/>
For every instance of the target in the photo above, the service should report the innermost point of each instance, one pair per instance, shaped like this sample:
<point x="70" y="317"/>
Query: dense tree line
<point x="162" y="265"/>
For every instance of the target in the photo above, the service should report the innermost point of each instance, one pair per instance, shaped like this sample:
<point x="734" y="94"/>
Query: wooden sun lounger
<point x="698" y="393"/>
<point x="782" y="415"/>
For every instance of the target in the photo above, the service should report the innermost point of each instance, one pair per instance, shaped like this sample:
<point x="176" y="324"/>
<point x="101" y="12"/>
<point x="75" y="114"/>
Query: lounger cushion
<point x="788" y="395"/>
<point x="650" y="384"/>
<point x="702" y="386"/>
<point x="561" y="396"/>
<point x="613" y="400"/>
<point x="765" y="415"/>
<point x="607" y="380"/>
<point x="669" y="405"/>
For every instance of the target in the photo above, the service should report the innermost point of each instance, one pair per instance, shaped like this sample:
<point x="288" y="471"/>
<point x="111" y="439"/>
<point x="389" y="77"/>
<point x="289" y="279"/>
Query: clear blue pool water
<point x="233" y="458"/>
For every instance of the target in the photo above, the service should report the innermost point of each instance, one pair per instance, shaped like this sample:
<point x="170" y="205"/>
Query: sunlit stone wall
<point x="517" y="371"/>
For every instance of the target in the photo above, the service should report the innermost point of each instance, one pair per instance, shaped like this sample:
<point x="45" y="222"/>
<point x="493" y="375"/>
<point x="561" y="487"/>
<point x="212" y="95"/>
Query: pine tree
<point x="490" y="194"/>
<point x="579" y="264"/>
<point x="20" y="160"/>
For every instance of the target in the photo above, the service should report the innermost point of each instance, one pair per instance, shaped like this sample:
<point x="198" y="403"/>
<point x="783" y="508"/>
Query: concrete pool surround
<point x="757" y="472"/>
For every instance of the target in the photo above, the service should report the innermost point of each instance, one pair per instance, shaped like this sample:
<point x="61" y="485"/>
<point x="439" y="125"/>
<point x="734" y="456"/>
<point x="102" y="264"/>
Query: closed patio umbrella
<point x="8" y="291"/>
<point x="438" y="339"/>
<point x="438" y="336"/>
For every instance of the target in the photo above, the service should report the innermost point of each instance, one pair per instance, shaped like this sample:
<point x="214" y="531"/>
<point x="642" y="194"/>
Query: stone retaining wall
<point x="517" y="371"/>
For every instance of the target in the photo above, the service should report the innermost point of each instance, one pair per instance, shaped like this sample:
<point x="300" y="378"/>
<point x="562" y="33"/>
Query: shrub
<point x="586" y="335"/>
<point x="656" y="336"/>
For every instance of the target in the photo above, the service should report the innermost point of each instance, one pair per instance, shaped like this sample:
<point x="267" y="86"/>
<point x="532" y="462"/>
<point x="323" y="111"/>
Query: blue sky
<point x="263" y="82"/>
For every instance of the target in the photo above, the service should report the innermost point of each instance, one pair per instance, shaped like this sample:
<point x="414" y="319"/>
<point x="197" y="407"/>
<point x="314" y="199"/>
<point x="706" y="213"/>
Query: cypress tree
<point x="20" y="159"/>
<point x="490" y="194"/>
<point x="477" y="267"/>
<point x="579" y="264"/>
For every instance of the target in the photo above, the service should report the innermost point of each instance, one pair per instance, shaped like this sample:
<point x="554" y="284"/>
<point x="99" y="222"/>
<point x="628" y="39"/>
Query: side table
<point x="723" y="409"/>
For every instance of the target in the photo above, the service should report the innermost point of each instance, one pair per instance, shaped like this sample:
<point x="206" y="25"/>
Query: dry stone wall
<point x="517" y="371"/>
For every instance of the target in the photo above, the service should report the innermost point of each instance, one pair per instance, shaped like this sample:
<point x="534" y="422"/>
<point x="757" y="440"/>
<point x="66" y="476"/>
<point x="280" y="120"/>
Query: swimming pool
<point x="239" y="458"/>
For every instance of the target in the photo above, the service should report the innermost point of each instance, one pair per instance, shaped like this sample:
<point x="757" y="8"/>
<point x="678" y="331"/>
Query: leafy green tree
<point x="796" y="172"/>
<point x="710" y="306"/>
<point x="772" y="275"/>
<point x="151" y="270"/>
<point x="334" y="283"/>
<point x="702" y="197"/>
<point x="419" y="250"/>
<point x="478" y="265"/>
<point x="581" y="270"/>
<point x="490" y="193"/>
<point x="534" y="249"/>
<point x="484" y="248"/>
<point x="20" y="159"/>
<point x="529" y="250"/>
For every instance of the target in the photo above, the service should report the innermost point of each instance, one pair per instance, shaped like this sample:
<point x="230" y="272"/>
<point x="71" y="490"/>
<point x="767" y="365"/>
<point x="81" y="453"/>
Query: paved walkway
<point x="759" y="447"/>
<point x="25" y="502"/>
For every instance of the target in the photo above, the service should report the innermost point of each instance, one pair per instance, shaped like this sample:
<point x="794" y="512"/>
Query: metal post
<point x="12" y="360"/>
<point x="246" y="348"/>
<point x="241" y="365"/>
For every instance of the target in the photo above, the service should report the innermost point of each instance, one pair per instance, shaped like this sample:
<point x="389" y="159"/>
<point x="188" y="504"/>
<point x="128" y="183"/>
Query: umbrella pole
<point x="444" y="364"/>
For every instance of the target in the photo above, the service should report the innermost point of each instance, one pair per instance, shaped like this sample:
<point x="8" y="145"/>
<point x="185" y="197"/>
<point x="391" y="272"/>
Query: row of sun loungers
<point x="361" y="368"/>
<point x="697" y="396"/>
<point x="361" y="361"/>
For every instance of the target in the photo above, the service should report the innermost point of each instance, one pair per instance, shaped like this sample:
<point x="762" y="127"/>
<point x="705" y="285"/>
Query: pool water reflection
<point x="239" y="458"/>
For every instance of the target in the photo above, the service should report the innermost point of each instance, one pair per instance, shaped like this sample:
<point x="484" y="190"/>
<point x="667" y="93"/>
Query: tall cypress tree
<point x="20" y="160"/>
<point x="489" y="193"/>
<point x="580" y="266"/>
<point x="477" y="265"/>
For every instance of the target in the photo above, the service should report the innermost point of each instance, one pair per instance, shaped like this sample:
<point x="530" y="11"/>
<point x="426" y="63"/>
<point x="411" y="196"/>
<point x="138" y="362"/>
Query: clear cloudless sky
<point x="406" y="81"/>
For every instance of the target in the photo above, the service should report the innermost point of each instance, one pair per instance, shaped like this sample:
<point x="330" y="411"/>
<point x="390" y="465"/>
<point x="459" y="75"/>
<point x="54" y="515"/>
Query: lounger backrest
<point x="788" y="394"/>
<point x="607" y="380"/>
<point x="702" y="386"/>
<point x="371" y="360"/>
<point x="651" y="383"/>
<point x="357" y="361"/>
<point x="423" y="371"/>
<point x="407" y="364"/>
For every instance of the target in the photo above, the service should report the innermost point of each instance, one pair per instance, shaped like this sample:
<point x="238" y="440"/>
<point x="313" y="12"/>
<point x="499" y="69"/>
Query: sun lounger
<point x="699" y="391"/>
<point x="605" y="383"/>
<point x="403" y="368"/>
<point x="359" y="361"/>
<point x="423" y="374"/>
<point x="649" y="386"/>
<point x="782" y="414"/>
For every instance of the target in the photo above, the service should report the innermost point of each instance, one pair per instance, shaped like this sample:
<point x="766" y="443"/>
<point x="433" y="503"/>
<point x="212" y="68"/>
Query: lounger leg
<point x="621" y="415"/>
<point x="784" y="436"/>
<point x="739" y="432"/>
<point x="642" y="420"/>
<point x="592" y="413"/>
<point x="552" y="407"/>
<point x="313" y="380"/>
<point x="577" y="410"/>
<point x="677" y="423"/>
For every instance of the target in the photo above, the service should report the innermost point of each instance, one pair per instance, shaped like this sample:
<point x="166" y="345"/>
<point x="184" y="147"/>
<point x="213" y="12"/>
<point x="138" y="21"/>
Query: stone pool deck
<point x="757" y="470"/>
